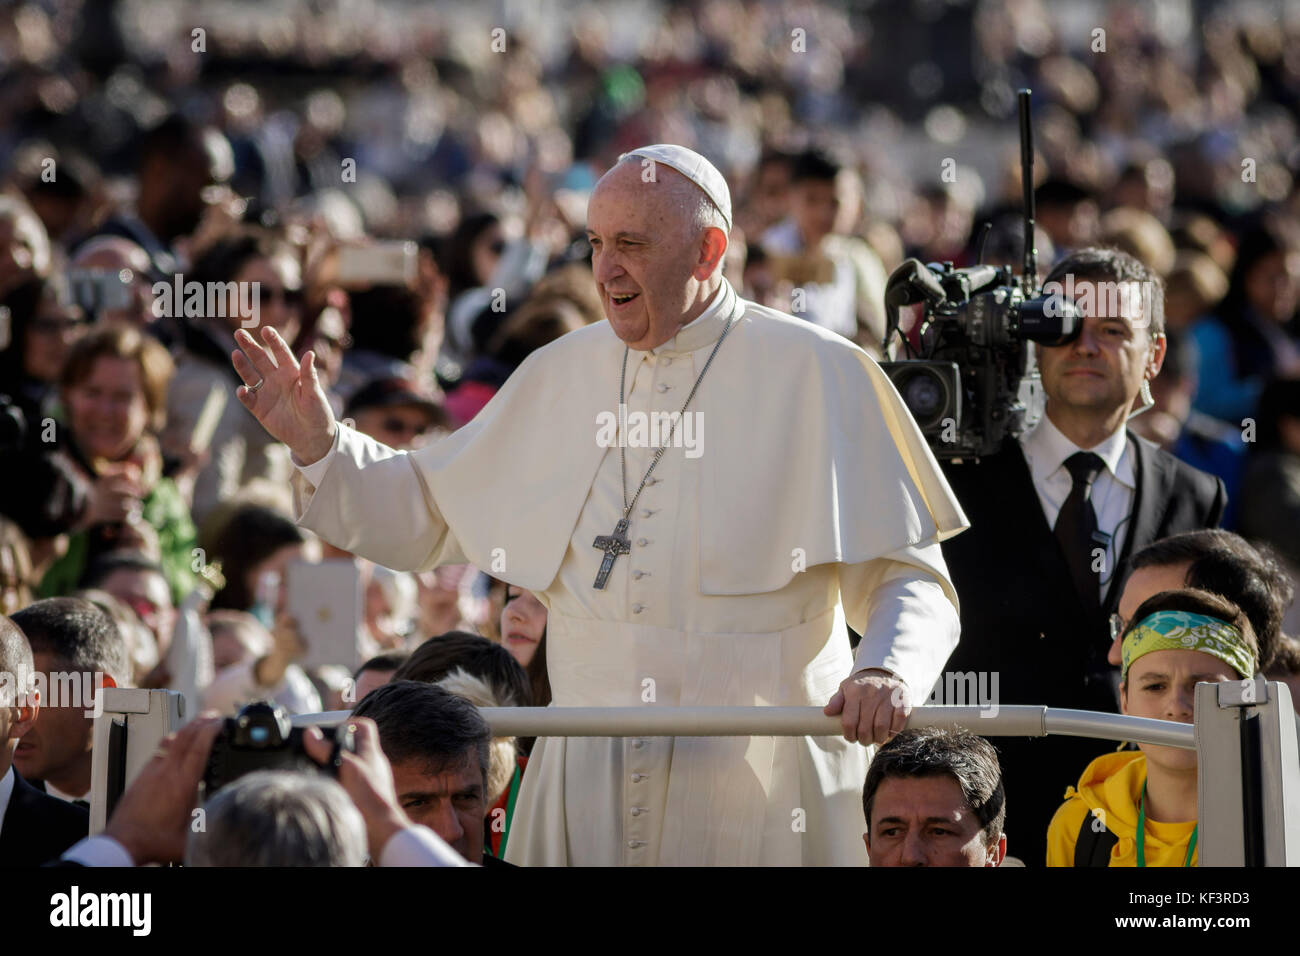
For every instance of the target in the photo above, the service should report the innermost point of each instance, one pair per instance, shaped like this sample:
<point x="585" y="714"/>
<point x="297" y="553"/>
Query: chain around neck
<point x="659" y="452"/>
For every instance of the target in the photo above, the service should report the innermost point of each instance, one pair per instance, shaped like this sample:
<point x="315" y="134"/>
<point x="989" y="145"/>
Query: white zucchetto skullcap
<point x="695" y="168"/>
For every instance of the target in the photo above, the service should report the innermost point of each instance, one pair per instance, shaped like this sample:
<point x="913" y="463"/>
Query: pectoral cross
<point x="613" y="545"/>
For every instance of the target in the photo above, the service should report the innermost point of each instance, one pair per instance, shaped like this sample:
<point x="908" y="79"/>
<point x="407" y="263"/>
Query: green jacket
<point x="162" y="509"/>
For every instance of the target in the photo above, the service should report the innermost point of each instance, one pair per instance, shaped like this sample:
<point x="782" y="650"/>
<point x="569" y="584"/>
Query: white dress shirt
<point x="98" y="850"/>
<point x="6" y="791"/>
<point x="54" y="791"/>
<point x="1046" y="450"/>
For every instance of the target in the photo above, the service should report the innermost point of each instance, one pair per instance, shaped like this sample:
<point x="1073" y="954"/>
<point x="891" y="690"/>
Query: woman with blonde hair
<point x="113" y="392"/>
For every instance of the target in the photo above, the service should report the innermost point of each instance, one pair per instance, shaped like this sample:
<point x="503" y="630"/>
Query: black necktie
<point x="1076" y="526"/>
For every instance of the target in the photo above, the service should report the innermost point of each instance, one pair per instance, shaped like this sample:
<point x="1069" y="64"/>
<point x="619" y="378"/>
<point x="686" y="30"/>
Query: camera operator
<point x="1055" y="516"/>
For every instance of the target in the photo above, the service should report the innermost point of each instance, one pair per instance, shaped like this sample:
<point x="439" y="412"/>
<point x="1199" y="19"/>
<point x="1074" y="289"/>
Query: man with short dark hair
<point x="934" y="797"/>
<point x="78" y="649"/>
<point x="1211" y="560"/>
<point x="34" y="827"/>
<point x="1055" y="515"/>
<point x="438" y="744"/>
<point x="376" y="672"/>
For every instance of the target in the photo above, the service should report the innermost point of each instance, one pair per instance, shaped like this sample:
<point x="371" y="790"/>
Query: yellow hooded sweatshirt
<point x="1112" y="785"/>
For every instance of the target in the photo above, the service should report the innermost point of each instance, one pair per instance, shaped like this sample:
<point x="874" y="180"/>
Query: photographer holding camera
<point x="1055" y="516"/>
<point x="153" y="821"/>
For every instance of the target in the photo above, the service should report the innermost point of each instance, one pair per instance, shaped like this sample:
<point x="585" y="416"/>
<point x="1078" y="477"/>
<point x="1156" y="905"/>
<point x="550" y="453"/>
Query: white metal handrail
<point x="1017" y="720"/>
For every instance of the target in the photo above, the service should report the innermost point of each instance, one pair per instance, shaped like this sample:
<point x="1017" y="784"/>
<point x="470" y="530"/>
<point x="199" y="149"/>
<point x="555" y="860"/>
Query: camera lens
<point x="926" y="397"/>
<point x="261" y="725"/>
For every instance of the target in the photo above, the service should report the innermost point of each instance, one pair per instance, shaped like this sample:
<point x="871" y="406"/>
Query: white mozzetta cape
<point x="814" y="500"/>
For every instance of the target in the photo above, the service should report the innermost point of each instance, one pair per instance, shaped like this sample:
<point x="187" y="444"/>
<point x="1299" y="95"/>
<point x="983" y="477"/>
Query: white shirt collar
<point x="1048" y="448"/>
<point x="6" y="791"/>
<point x="54" y="791"/>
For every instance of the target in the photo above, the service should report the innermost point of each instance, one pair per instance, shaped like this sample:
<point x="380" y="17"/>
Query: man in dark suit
<point x="34" y="827"/>
<point x="1055" y="516"/>
<point x="79" y="648"/>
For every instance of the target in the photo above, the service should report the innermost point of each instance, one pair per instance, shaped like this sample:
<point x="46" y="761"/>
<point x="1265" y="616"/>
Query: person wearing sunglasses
<point x="1139" y="808"/>
<point x="43" y="323"/>
<point x="398" y="413"/>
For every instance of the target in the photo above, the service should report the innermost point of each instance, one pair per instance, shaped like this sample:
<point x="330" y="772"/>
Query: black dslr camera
<point x="261" y="737"/>
<point x="973" y="383"/>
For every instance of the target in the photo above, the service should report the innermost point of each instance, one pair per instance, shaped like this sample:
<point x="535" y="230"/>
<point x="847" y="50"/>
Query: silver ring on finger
<point x="254" y="388"/>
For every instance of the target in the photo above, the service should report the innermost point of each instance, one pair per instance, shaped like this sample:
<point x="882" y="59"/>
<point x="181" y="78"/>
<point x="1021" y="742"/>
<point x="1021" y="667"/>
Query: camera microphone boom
<point x="973" y="381"/>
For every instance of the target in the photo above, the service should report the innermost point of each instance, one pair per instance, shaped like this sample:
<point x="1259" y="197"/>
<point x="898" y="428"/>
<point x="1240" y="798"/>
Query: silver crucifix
<point x="613" y="545"/>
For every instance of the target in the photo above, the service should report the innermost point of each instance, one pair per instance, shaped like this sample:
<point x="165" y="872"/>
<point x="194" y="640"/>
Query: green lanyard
<point x="515" y="780"/>
<point x="1142" y="832"/>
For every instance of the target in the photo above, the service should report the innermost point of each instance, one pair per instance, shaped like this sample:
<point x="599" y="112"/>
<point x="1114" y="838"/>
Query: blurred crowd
<point x="403" y="186"/>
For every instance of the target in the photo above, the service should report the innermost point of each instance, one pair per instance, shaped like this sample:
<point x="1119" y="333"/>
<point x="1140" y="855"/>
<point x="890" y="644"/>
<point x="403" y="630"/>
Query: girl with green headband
<point x="1139" y="808"/>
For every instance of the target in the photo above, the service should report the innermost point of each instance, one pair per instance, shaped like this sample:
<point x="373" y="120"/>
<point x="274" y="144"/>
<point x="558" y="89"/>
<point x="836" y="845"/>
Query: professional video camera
<point x="974" y="381"/>
<point x="262" y="737"/>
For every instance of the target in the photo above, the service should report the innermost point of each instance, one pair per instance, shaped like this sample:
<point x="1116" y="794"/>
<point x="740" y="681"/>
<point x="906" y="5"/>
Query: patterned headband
<point x="1186" y="631"/>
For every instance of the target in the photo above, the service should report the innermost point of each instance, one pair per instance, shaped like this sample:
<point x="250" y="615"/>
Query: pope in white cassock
<point x="721" y="572"/>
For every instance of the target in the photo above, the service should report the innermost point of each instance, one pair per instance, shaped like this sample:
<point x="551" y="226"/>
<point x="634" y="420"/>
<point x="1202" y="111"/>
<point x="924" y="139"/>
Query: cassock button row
<point x="635" y="844"/>
<point x="638" y="744"/>
<point x="647" y="512"/>
<point x="663" y="386"/>
<point x="638" y="608"/>
<point x="637" y="811"/>
<point x="638" y="575"/>
<point x="642" y="542"/>
<point x="667" y="360"/>
<point x="638" y="777"/>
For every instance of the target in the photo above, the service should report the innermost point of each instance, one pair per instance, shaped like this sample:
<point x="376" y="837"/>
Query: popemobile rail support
<point x="1244" y="734"/>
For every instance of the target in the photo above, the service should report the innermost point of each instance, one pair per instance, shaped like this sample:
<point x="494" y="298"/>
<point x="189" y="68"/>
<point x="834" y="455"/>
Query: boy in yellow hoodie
<point x="1139" y="809"/>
